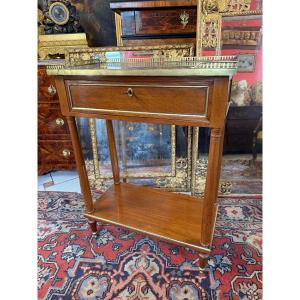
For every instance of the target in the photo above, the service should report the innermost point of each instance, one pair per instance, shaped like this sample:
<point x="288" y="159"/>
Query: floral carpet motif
<point x="121" y="264"/>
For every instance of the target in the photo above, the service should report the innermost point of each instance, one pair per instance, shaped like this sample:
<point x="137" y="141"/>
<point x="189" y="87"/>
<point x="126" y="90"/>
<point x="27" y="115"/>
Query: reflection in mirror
<point x="144" y="150"/>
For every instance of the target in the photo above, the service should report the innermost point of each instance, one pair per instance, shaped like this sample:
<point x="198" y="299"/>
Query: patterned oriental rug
<point x="121" y="264"/>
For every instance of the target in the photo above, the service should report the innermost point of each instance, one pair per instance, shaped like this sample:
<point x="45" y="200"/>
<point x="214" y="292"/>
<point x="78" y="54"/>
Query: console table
<point x="189" y="92"/>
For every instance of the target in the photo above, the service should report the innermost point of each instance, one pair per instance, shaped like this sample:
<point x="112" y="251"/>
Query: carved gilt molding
<point x="88" y="55"/>
<point x="210" y="28"/>
<point x="209" y="25"/>
<point x="249" y="38"/>
<point x="209" y="21"/>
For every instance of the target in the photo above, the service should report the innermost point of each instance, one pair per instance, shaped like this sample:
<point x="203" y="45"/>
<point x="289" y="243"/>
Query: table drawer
<point x="56" y="151"/>
<point x="158" y="22"/>
<point x="51" y="121"/>
<point x="46" y="87"/>
<point x="138" y="98"/>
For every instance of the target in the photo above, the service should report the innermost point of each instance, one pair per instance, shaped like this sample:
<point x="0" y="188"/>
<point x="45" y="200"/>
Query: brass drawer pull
<point x="66" y="153"/>
<point x="129" y="92"/>
<point x="59" y="121"/>
<point x="51" y="90"/>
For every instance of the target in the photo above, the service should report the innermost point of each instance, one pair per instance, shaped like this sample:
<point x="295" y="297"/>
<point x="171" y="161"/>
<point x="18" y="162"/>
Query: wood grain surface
<point x="167" y="215"/>
<point x="53" y="138"/>
<point x="154" y="98"/>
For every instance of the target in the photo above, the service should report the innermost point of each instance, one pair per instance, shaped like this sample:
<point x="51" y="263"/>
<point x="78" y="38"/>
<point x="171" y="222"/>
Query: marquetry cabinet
<point x="156" y="22"/>
<point x="188" y="92"/>
<point x="55" y="151"/>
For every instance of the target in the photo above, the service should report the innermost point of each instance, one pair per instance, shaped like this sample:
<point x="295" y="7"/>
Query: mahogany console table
<point x="189" y="92"/>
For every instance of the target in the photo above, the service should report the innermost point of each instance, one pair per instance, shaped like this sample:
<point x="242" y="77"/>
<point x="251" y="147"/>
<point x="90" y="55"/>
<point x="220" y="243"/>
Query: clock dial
<point x="59" y="13"/>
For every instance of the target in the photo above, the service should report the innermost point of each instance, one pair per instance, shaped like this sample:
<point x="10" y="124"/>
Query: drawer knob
<point x="129" y="92"/>
<point x="51" y="89"/>
<point x="66" y="153"/>
<point x="59" y="122"/>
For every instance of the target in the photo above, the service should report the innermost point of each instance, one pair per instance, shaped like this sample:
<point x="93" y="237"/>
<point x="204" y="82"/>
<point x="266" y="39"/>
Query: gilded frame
<point x="97" y="165"/>
<point x="210" y="14"/>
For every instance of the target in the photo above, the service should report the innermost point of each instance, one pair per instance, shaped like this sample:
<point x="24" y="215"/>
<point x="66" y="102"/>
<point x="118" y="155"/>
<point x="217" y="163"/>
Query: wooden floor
<point x="169" y="216"/>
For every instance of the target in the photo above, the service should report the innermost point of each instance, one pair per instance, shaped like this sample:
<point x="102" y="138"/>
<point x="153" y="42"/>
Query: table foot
<point x="93" y="226"/>
<point x="203" y="261"/>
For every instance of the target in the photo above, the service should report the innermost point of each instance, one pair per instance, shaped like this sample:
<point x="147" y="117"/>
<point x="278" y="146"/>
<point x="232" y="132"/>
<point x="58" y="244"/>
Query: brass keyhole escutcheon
<point x="130" y="92"/>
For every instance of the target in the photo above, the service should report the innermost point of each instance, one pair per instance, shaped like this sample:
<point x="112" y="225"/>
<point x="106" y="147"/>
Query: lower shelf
<point x="169" y="216"/>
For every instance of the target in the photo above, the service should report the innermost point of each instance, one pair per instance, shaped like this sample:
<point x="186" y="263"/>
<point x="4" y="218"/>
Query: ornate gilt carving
<point x="200" y="179"/>
<point x="89" y="55"/>
<point x="238" y="5"/>
<point x="57" y="44"/>
<point x="195" y="140"/>
<point x="224" y="7"/>
<point x="93" y="135"/>
<point x="179" y="182"/>
<point x="211" y="31"/>
<point x="214" y="6"/>
<point x="229" y="7"/>
<point x="245" y="37"/>
<point x="241" y="13"/>
<point x="209" y="22"/>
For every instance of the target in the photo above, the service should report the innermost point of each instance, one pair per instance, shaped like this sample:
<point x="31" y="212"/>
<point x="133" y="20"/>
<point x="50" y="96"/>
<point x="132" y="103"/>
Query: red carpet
<point x="120" y="264"/>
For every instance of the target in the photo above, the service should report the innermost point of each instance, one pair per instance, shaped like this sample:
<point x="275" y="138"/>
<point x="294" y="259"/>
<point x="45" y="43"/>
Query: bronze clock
<point x="60" y="16"/>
